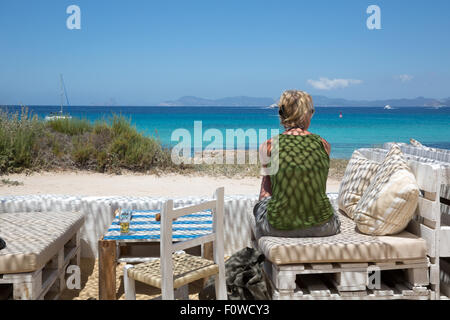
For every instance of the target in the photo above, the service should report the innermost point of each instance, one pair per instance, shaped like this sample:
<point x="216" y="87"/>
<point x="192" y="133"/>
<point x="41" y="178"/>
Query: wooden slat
<point x="384" y="290"/>
<point x="193" y="242"/>
<point x="351" y="280"/>
<point x="426" y="175"/>
<point x="176" y="213"/>
<point x="444" y="240"/>
<point x="321" y="266"/>
<point x="428" y="209"/>
<point x="353" y="265"/>
<point x="166" y="249"/>
<point x="425" y="233"/>
<point x="218" y="248"/>
<point x="418" y="277"/>
<point x="385" y="264"/>
<point x="315" y="286"/>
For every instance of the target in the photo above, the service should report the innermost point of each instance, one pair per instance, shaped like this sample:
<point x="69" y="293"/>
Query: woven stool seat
<point x="186" y="268"/>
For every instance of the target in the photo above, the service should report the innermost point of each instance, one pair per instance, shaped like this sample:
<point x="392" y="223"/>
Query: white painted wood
<point x="23" y="291"/>
<point x="136" y="259"/>
<point x="353" y="294"/>
<point x="351" y="281"/>
<point x="179" y="212"/>
<point x="383" y="291"/>
<point x="129" y="284"/>
<point x="385" y="264"/>
<point x="353" y="265"/>
<point x="290" y="267"/>
<point x="426" y="173"/>
<point x="418" y="276"/>
<point x="218" y="245"/>
<point x="428" y="209"/>
<point x="167" y="247"/>
<point x="315" y="286"/>
<point x="47" y="281"/>
<point x="182" y="245"/>
<point x="284" y="280"/>
<point x="321" y="266"/>
<point x="444" y="238"/>
<point x="426" y="233"/>
<point x="166" y="250"/>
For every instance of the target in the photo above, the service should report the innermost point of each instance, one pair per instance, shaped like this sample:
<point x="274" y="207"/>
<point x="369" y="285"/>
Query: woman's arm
<point x="327" y="146"/>
<point x="266" y="186"/>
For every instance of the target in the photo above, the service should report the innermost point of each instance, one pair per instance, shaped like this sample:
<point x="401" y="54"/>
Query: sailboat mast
<point x="62" y="93"/>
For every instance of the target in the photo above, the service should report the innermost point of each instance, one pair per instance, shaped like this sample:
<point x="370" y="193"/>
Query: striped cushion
<point x="357" y="178"/>
<point x="389" y="202"/>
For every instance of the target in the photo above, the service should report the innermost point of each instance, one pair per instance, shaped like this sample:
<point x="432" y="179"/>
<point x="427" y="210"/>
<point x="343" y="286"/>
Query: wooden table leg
<point x="107" y="269"/>
<point x="208" y="250"/>
<point x="207" y="253"/>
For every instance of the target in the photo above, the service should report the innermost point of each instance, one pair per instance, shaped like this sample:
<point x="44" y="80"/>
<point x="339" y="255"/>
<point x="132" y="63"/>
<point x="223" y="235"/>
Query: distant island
<point x="319" y="101"/>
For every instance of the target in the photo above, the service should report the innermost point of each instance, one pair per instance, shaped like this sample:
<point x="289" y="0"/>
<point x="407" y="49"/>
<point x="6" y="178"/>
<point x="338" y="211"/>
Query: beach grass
<point x="114" y="145"/>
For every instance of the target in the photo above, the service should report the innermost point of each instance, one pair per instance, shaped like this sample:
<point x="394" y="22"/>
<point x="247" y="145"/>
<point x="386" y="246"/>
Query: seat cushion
<point x="388" y="204"/>
<point x="357" y="177"/>
<point x="347" y="246"/>
<point x="33" y="238"/>
<point x="186" y="269"/>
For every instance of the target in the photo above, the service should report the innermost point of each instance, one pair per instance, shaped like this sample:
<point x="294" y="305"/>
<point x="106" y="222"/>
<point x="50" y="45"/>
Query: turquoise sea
<point x="359" y="126"/>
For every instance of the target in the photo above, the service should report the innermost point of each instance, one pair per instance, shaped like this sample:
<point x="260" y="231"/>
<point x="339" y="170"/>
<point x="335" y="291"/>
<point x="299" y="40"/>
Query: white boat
<point x="273" y="106"/>
<point x="60" y="114"/>
<point x="387" y="107"/>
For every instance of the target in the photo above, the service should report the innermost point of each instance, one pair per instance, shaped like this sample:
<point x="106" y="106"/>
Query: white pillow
<point x="357" y="177"/>
<point x="388" y="204"/>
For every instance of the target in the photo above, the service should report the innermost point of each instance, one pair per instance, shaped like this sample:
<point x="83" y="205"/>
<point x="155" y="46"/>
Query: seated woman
<point x="293" y="200"/>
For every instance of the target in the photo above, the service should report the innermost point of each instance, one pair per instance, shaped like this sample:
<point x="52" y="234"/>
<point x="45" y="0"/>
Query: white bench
<point x="339" y="267"/>
<point x="40" y="246"/>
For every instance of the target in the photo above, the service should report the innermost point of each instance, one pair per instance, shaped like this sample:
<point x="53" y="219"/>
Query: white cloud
<point x="404" y="77"/>
<point x="329" y="84"/>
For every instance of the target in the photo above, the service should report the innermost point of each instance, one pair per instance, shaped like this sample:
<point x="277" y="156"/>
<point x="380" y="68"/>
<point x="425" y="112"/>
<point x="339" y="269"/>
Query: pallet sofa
<point x="40" y="246"/>
<point x="348" y="265"/>
<point x="437" y="156"/>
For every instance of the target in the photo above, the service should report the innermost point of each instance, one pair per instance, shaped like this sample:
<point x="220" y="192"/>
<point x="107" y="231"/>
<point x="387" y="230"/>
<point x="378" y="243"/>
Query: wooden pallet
<point x="48" y="282"/>
<point x="350" y="281"/>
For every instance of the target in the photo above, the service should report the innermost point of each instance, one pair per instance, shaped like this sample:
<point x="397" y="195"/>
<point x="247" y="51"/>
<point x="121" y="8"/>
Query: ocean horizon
<point x="359" y="127"/>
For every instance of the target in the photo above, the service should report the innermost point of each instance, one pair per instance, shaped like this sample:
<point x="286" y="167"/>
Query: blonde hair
<point x="295" y="106"/>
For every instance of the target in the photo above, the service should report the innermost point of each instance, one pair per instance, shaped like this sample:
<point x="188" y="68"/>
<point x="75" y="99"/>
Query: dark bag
<point x="245" y="278"/>
<point x="2" y="244"/>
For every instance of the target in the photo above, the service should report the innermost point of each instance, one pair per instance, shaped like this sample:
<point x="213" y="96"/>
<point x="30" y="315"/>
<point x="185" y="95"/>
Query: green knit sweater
<point x="299" y="197"/>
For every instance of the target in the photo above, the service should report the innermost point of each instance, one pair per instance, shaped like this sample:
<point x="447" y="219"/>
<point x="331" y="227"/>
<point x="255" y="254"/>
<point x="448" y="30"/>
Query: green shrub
<point x="18" y="135"/>
<point x="70" y="126"/>
<point x="82" y="152"/>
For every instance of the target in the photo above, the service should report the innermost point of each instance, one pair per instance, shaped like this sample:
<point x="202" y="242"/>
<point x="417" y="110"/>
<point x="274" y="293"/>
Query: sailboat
<point x="60" y="114"/>
<point x="387" y="107"/>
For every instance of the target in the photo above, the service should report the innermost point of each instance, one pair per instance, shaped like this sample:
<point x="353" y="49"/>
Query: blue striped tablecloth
<point x="144" y="227"/>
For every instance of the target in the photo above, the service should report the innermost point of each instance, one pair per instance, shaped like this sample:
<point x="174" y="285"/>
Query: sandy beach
<point x="98" y="184"/>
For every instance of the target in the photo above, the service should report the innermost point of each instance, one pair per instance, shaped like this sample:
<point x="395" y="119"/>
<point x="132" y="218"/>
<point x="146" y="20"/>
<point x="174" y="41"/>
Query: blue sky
<point x="142" y="52"/>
